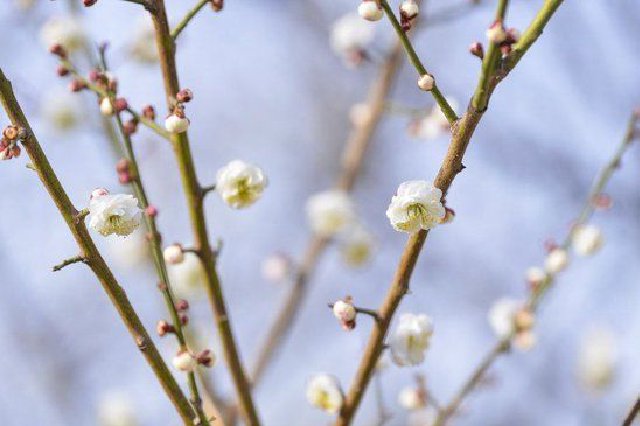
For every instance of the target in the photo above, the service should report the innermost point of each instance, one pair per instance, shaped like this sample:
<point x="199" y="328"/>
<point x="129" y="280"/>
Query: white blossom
<point x="356" y="246"/>
<point x="323" y="392"/>
<point x="64" y="30"/>
<point x="129" y="252"/>
<point x="184" y="361"/>
<point x="369" y="10"/>
<point x="114" y="214"/>
<point x="411" y="398"/>
<point x="62" y="109"/>
<point x="240" y="184"/>
<point x="410" y="8"/>
<point x="175" y="124"/>
<point x="330" y="212"/>
<point x="435" y="123"/>
<point x="535" y="276"/>
<point x="416" y="206"/>
<point x="173" y="254"/>
<point x="116" y="409"/>
<point x="587" y="239"/>
<point x="276" y="268"/>
<point x="411" y="339"/>
<point x="426" y="82"/>
<point x="597" y="358"/>
<point x="188" y="277"/>
<point x="502" y="316"/>
<point x="350" y="34"/>
<point x="556" y="261"/>
<point x="344" y="311"/>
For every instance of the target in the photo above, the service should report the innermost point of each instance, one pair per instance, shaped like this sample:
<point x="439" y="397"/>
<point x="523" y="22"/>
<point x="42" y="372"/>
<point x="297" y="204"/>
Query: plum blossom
<point x="416" y="206"/>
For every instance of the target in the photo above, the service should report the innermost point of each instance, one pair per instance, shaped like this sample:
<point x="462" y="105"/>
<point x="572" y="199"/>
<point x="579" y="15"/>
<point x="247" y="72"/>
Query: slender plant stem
<point x="89" y="251"/>
<point x="633" y="413"/>
<point x="452" y="165"/>
<point x="352" y="158"/>
<point x="415" y="60"/>
<point x="195" y="198"/>
<point x="501" y="346"/>
<point x="187" y="18"/>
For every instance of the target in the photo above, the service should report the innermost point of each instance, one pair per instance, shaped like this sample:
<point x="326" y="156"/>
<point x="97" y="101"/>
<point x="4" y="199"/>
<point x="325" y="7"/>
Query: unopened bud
<point x="58" y="50"/>
<point x="476" y="49"/>
<point x="426" y="82"/>
<point x="206" y="358"/>
<point x="163" y="328"/>
<point x="184" y="96"/>
<point x="149" y="112"/>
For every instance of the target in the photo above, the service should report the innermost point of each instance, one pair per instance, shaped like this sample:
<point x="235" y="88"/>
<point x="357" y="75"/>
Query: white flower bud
<point x="597" y="359"/>
<point x="409" y="8"/>
<point x="187" y="277"/>
<point x="525" y="341"/>
<point x="113" y="214"/>
<point x="556" y="261"/>
<point x="502" y="316"/>
<point x="416" y="206"/>
<point x="330" y="212"/>
<point x="323" y="392"/>
<point x="240" y="184"/>
<point x="344" y="311"/>
<point x="350" y="35"/>
<point x="369" y="10"/>
<point x="410" y="398"/>
<point x="173" y="254"/>
<point x="276" y="268"/>
<point x="106" y="106"/>
<point x="175" y="124"/>
<point x="357" y="246"/>
<point x="116" y="409"/>
<point x="496" y="33"/>
<point x="426" y="82"/>
<point x="587" y="239"/>
<point x="411" y="339"/>
<point x="184" y="361"/>
<point x="535" y="276"/>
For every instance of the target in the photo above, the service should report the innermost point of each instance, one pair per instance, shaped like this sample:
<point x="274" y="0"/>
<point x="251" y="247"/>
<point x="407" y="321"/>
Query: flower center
<point x="417" y="211"/>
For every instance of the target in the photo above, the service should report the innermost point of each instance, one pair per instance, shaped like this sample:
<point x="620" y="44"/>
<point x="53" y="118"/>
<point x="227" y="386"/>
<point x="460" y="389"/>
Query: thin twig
<point x="187" y="18"/>
<point x="70" y="261"/>
<point x="452" y="165"/>
<point x="532" y="304"/>
<point x="193" y="193"/>
<point x="97" y="264"/>
<point x="633" y="413"/>
<point x="449" y="113"/>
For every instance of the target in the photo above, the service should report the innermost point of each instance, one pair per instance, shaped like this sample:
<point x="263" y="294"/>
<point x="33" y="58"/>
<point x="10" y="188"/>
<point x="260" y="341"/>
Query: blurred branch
<point x="194" y="195"/>
<point x="353" y="156"/>
<point x="187" y="18"/>
<point x="463" y="130"/>
<point x="415" y="60"/>
<point x="501" y="347"/>
<point x="633" y="413"/>
<point x="89" y="251"/>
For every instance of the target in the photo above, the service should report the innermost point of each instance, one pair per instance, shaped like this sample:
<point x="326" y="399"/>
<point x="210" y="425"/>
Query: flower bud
<point x="409" y="8"/>
<point x="556" y="261"/>
<point x="182" y="305"/>
<point x="476" y="49"/>
<point x="370" y="11"/>
<point x="62" y="71"/>
<point x="587" y="239"/>
<point x="276" y="268"/>
<point x="151" y="211"/>
<point x="344" y="311"/>
<point x="184" y="361"/>
<point x="130" y="127"/>
<point x="89" y="3"/>
<point x="163" y="328"/>
<point x="184" y="319"/>
<point x="426" y="82"/>
<point x="184" y="96"/>
<point x="217" y="5"/>
<point x="11" y="132"/>
<point x="98" y="193"/>
<point x="106" y="106"/>
<point x="173" y="254"/>
<point x="121" y="104"/>
<point x="149" y="112"/>
<point x="206" y="358"/>
<point x="525" y="341"/>
<point x="58" y="50"/>
<point x="535" y="277"/>
<point x="523" y="320"/>
<point x="77" y="85"/>
<point x="175" y="124"/>
<point x="496" y="33"/>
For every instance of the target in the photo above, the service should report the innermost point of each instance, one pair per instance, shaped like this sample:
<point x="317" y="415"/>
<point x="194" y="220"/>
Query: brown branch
<point x="89" y="251"/>
<point x="353" y="155"/>
<point x="633" y="413"/>
<point x="193" y="192"/>
<point x="451" y="166"/>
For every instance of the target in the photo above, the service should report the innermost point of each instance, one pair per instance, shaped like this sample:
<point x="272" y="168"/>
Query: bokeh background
<point x="270" y="90"/>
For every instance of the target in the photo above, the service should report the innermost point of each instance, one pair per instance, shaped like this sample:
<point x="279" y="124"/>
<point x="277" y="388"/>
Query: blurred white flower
<point x="143" y="47"/>
<point x="62" y="109"/>
<point x="350" y="36"/>
<point x="277" y="267"/>
<point x="411" y="398"/>
<point x="525" y="340"/>
<point x="114" y="214"/>
<point x="556" y="261"/>
<point x="240" y="184"/>
<point x="184" y="361"/>
<point x="434" y="124"/>
<point x="411" y="339"/>
<point x="129" y="252"/>
<point x="502" y="316"/>
<point x="106" y="106"/>
<point x="64" y="30"/>
<point x="173" y="254"/>
<point x="409" y="8"/>
<point x="587" y="239"/>
<point x="535" y="276"/>
<point x="187" y="278"/>
<point x="416" y="206"/>
<point x="330" y="212"/>
<point x="370" y="11"/>
<point x="597" y="358"/>
<point x="356" y="246"/>
<point x="422" y="417"/>
<point x="116" y="409"/>
<point x="323" y="392"/>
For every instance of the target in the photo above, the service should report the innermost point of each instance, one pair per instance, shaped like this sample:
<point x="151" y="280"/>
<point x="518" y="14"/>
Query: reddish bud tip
<point x="149" y="112"/>
<point x="184" y="96"/>
<point x="62" y="71"/>
<point x="58" y="50"/>
<point x="77" y="85"/>
<point x="182" y="305"/>
<point x="151" y="211"/>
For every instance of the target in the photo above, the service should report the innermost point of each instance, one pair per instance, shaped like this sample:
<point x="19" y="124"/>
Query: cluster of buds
<point x="408" y="12"/>
<point x="504" y="38"/>
<point x="177" y="121"/>
<point x="187" y="362"/>
<point x="163" y="327"/>
<point x="8" y="143"/>
<point x="345" y="312"/>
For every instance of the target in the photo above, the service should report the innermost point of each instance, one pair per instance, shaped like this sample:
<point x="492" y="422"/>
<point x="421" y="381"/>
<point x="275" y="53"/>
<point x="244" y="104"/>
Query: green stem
<point x="415" y="60"/>
<point x="187" y="18"/>
<point x="95" y="261"/>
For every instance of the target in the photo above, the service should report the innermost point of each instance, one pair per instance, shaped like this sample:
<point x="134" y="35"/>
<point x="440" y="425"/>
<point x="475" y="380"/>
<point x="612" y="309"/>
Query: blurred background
<point x="270" y="90"/>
